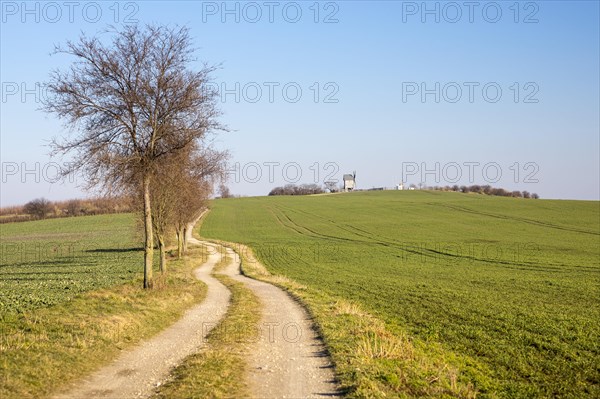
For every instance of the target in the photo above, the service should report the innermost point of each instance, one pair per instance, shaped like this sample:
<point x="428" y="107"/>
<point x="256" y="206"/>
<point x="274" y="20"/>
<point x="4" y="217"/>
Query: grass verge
<point x="218" y="371"/>
<point x="44" y="350"/>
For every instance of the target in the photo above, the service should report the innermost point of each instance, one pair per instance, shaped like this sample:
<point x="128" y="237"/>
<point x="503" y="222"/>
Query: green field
<point x="71" y="299"/>
<point x="504" y="291"/>
<point x="48" y="262"/>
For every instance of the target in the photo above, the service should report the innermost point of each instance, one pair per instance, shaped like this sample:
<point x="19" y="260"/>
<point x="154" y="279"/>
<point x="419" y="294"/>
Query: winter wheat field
<point x="472" y="294"/>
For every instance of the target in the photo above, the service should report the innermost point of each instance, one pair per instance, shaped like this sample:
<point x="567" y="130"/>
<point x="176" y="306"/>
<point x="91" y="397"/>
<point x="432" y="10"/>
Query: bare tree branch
<point x="132" y="102"/>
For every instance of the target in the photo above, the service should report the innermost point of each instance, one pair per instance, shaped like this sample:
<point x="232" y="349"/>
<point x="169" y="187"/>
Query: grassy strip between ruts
<point x="369" y="360"/>
<point x="219" y="370"/>
<point x="44" y="350"/>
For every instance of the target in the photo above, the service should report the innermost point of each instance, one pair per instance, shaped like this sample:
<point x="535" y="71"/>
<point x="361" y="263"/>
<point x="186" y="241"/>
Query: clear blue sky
<point x="369" y="63"/>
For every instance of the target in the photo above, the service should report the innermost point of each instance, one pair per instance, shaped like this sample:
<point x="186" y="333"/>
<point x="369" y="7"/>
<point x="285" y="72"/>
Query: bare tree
<point x="131" y="102"/>
<point x="164" y="189"/>
<point x="180" y="189"/>
<point x="224" y="191"/>
<point x="207" y="167"/>
<point x="195" y="196"/>
<point x="73" y="207"/>
<point x="331" y="186"/>
<point x="38" y="208"/>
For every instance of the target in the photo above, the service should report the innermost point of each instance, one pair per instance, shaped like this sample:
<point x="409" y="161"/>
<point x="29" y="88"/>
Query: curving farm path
<point x="137" y="371"/>
<point x="287" y="361"/>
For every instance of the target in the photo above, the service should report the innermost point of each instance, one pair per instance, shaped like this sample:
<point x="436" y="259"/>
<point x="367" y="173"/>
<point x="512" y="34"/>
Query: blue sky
<point x="504" y="93"/>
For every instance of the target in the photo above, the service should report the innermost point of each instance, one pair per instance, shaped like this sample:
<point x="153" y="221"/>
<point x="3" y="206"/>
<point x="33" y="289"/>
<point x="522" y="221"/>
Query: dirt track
<point x="288" y="361"/>
<point x="137" y="371"/>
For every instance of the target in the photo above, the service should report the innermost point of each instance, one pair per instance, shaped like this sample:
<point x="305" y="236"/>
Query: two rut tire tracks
<point x="288" y="360"/>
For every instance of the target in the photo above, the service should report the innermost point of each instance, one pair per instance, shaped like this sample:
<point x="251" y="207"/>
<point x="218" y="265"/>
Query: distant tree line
<point x="487" y="190"/>
<point x="292" y="189"/>
<point x="41" y="208"/>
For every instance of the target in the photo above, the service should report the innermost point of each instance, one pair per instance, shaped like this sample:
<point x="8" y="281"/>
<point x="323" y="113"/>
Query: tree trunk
<point x="163" y="257"/>
<point x="185" y="241"/>
<point x="179" y="243"/>
<point x="149" y="239"/>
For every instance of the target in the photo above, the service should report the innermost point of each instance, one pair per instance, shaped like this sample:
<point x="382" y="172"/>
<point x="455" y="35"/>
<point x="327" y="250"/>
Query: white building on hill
<point x="350" y="182"/>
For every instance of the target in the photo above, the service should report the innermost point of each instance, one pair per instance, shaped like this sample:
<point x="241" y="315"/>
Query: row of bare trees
<point x="41" y="208"/>
<point x="141" y="119"/>
<point x="180" y="187"/>
<point x="292" y="189"/>
<point x="485" y="189"/>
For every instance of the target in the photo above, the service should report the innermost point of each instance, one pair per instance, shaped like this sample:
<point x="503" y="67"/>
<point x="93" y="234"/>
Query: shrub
<point x="38" y="208"/>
